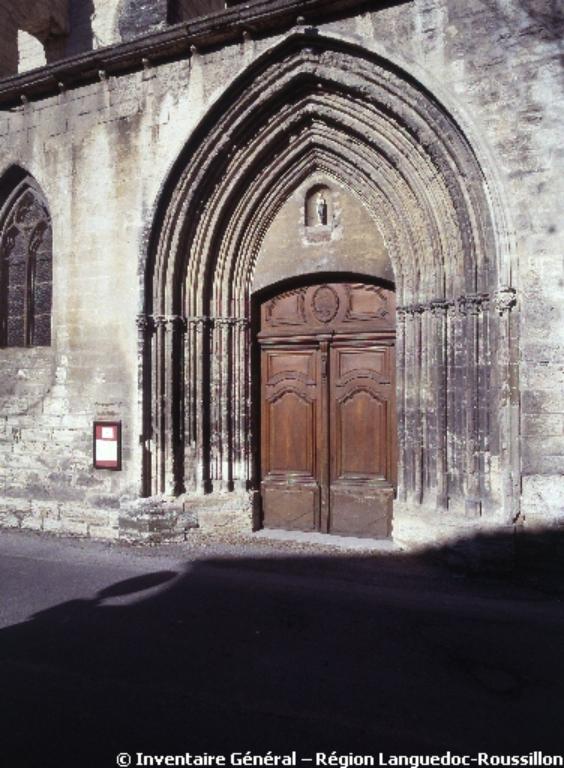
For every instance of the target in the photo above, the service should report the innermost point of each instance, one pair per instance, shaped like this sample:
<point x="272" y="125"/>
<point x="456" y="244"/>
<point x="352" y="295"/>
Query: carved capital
<point x="504" y="299"/>
<point x="452" y="309"/>
<point x="230" y="322"/>
<point x="176" y="322"/>
<point x="171" y="322"/>
<point x="472" y="304"/>
<point x="439" y="307"/>
<point x="145" y="324"/>
<point x="198" y="324"/>
<point x="223" y="322"/>
<point x="413" y="309"/>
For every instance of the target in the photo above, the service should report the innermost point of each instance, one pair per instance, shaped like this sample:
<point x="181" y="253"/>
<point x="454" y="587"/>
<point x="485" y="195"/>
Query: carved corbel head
<point x="504" y="300"/>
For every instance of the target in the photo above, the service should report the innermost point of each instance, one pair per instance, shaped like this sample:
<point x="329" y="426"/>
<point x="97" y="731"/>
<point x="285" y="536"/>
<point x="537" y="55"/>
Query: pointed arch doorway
<point x="328" y="424"/>
<point x="297" y="116"/>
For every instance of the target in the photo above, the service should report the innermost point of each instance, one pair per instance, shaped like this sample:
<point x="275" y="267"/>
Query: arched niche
<point x="318" y="206"/>
<point x="312" y="107"/>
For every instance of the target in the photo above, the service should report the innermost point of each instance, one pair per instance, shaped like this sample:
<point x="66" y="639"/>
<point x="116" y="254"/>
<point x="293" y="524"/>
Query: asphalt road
<point x="106" y="649"/>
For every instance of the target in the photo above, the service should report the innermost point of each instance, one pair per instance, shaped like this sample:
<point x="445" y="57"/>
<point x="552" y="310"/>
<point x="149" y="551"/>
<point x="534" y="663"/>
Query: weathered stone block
<point x="45" y="509"/>
<point x="32" y="523"/>
<point x="543" y="499"/>
<point x="86" y="515"/>
<point x="53" y="525"/>
<point x="19" y="506"/>
<point x="73" y="527"/>
<point x="545" y="425"/>
<point x="107" y="532"/>
<point x="225" y="513"/>
<point x="9" y="520"/>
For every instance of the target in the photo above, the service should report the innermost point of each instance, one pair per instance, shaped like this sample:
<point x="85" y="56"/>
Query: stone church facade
<point x="306" y="253"/>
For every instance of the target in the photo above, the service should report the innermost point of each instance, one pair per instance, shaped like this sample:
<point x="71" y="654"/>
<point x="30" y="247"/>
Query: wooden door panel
<point x="294" y="365"/>
<point x="373" y="363"/>
<point x="363" y="512"/>
<point x="368" y="361"/>
<point x="335" y="308"/>
<point x="361" y="407"/>
<point x="361" y="421"/>
<point x="290" y="488"/>
<point x="289" y="412"/>
<point x="290" y="422"/>
<point x="291" y="507"/>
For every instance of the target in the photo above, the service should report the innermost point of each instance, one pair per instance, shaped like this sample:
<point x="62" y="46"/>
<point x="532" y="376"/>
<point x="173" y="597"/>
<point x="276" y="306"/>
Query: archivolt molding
<point x="342" y="114"/>
<point x="319" y="107"/>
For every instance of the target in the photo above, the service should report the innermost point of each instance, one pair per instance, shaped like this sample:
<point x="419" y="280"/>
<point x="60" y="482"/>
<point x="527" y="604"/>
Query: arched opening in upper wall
<point x="184" y="10"/>
<point x="31" y="52"/>
<point x="32" y="34"/>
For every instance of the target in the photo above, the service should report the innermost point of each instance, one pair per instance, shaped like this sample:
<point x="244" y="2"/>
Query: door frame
<point x="257" y="299"/>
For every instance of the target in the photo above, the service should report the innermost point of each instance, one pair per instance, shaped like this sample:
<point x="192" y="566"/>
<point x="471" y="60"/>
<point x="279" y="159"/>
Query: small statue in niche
<point x="321" y="209"/>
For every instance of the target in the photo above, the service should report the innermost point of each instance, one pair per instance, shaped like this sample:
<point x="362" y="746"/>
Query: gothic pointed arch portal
<point x="316" y="108"/>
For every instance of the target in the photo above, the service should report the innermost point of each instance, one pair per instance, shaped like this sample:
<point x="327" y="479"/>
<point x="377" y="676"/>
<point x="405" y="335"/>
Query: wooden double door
<point x="328" y="433"/>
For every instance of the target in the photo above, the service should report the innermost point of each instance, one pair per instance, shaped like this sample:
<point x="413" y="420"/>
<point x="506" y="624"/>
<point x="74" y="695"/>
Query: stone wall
<point x="137" y="17"/>
<point x="102" y="153"/>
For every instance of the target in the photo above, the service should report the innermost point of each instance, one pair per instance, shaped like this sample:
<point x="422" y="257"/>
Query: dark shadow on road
<point x="137" y="584"/>
<point x="357" y="654"/>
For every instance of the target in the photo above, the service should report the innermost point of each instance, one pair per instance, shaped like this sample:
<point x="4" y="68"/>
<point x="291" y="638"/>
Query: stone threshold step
<point x="328" y="540"/>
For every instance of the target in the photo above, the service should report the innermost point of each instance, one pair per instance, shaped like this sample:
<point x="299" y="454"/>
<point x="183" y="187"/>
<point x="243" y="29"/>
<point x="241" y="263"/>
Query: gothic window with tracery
<point x="25" y="267"/>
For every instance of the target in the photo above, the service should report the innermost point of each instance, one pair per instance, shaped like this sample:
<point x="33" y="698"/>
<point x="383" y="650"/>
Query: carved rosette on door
<point x="328" y="434"/>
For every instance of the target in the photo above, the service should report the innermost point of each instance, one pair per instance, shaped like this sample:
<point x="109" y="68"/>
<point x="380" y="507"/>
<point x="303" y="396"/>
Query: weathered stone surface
<point x="543" y="500"/>
<point x="224" y="513"/>
<point x="351" y="242"/>
<point x="460" y="190"/>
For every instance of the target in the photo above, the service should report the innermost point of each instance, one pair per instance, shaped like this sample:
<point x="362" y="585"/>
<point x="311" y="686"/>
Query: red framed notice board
<point x="107" y="445"/>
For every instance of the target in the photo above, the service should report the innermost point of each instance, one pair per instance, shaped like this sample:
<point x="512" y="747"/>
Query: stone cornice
<point x="175" y="42"/>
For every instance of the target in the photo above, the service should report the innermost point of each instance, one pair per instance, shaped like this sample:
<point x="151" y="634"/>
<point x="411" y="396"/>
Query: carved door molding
<point x="328" y="426"/>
